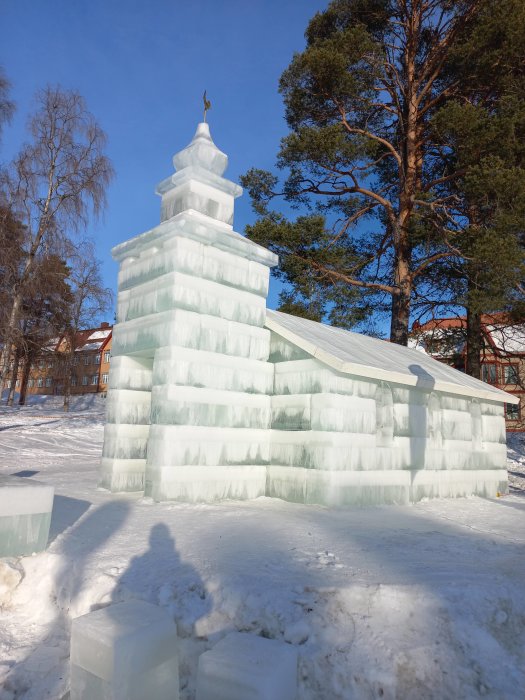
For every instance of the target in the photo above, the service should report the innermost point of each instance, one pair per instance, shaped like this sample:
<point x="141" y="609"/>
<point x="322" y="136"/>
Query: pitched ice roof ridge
<point x="307" y="335"/>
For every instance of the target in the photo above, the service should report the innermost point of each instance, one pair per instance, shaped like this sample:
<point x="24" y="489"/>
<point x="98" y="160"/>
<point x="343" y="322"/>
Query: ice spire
<point x="198" y="184"/>
<point x="202" y="152"/>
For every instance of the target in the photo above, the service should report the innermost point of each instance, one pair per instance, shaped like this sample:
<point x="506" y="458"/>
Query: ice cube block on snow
<point x="25" y="515"/>
<point x="245" y="667"/>
<point x="126" y="651"/>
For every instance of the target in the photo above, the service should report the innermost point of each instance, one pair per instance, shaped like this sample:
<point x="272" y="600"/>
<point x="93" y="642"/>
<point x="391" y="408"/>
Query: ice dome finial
<point x="202" y="152"/>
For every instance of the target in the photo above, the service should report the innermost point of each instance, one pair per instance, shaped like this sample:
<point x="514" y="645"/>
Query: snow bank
<point x="423" y="601"/>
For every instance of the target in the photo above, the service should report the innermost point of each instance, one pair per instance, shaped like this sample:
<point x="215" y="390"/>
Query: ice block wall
<point x="341" y="439"/>
<point x="189" y="401"/>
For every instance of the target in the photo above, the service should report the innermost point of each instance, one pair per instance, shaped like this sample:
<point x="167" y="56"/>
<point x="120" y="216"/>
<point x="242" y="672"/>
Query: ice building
<point x="213" y="396"/>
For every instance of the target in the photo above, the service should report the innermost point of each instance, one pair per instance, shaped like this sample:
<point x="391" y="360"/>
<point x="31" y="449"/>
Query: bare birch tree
<point x="54" y="184"/>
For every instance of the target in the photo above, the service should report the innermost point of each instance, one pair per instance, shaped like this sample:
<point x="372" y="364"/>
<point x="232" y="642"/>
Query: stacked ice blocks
<point x="25" y="515"/>
<point x="245" y="667"/>
<point x="126" y="651"/>
<point x="189" y="402"/>
<point x="340" y="439"/>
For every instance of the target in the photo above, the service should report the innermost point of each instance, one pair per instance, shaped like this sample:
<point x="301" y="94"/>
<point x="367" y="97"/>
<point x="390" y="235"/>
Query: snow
<point x="422" y="601"/>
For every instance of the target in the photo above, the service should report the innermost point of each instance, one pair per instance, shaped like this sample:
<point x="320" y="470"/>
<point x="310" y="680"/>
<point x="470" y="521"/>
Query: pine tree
<point x="362" y="155"/>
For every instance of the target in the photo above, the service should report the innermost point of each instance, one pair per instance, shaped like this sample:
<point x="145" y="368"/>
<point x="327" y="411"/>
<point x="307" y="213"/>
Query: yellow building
<point x="91" y="364"/>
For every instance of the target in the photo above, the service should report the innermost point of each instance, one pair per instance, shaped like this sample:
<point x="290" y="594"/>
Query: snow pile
<point x="417" y="602"/>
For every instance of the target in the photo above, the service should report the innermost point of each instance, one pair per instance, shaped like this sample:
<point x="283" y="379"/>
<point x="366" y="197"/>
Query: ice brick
<point x="171" y="445"/>
<point x="191" y="330"/>
<point x="25" y="515"/>
<point x="456" y="425"/>
<point x="125" y="441"/>
<point x="119" y="475"/>
<point x="245" y="667"/>
<point x="187" y="405"/>
<point x="199" y="368"/>
<point x="126" y="651"/>
<point x="125" y="406"/>
<point x="330" y="412"/>
<point x="131" y="373"/>
<point x="180" y="290"/>
<point x="312" y="377"/>
<point x="202" y="484"/>
<point x="341" y="488"/>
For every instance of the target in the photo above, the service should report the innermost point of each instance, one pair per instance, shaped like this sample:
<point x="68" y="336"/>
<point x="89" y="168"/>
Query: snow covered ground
<point x="416" y="602"/>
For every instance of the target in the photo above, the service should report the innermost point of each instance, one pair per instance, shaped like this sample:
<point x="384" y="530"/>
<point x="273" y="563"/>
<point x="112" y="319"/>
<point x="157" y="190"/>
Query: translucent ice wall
<point x="189" y="403"/>
<point x="341" y="439"/>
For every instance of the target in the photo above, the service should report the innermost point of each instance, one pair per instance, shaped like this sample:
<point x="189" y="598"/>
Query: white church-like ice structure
<point x="213" y="396"/>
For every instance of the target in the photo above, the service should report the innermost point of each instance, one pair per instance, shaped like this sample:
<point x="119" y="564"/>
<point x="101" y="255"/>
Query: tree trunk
<point x="28" y="360"/>
<point x="474" y="344"/>
<point x="5" y="356"/>
<point x="14" y="377"/>
<point x="68" y="367"/>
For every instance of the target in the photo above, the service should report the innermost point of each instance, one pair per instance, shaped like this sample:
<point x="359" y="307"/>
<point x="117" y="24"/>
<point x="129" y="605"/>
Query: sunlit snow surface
<point x="421" y="601"/>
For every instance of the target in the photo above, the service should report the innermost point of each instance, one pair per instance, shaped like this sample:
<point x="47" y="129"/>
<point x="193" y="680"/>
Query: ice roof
<point x="353" y="353"/>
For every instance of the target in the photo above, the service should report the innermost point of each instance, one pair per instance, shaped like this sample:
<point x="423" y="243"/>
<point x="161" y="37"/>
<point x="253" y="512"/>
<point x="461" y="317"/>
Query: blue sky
<point x="142" y="68"/>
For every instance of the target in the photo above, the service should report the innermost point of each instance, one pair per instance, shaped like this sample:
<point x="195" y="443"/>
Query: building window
<point x="489" y="373"/>
<point x="510" y="374"/>
<point x="107" y="355"/>
<point x="85" y="380"/>
<point x="105" y="378"/>
<point x="50" y="363"/>
<point x="49" y="381"/>
<point x="75" y="360"/>
<point x="31" y="383"/>
<point x="97" y="358"/>
<point x="87" y="359"/>
<point x="512" y="411"/>
<point x="73" y="381"/>
<point x="94" y="379"/>
<point x="41" y="364"/>
<point x="40" y="382"/>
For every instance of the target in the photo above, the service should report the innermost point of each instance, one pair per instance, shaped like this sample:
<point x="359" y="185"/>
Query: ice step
<point x="191" y="330"/>
<point x="126" y="651"/>
<point x="194" y="258"/>
<point x="199" y="368"/>
<point x="25" y="515"/>
<point x="246" y="667"/>
<point x="184" y="405"/>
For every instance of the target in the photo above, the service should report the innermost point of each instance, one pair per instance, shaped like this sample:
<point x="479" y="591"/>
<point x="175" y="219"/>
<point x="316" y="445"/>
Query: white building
<point x="213" y="396"/>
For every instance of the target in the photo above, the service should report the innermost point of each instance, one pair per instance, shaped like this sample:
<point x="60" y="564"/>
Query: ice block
<point x="245" y="667"/>
<point x="126" y="651"/>
<point x="25" y="515"/>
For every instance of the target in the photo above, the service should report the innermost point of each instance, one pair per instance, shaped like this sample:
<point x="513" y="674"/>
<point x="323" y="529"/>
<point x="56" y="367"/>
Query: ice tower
<point x="189" y="402"/>
<point x="212" y="396"/>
